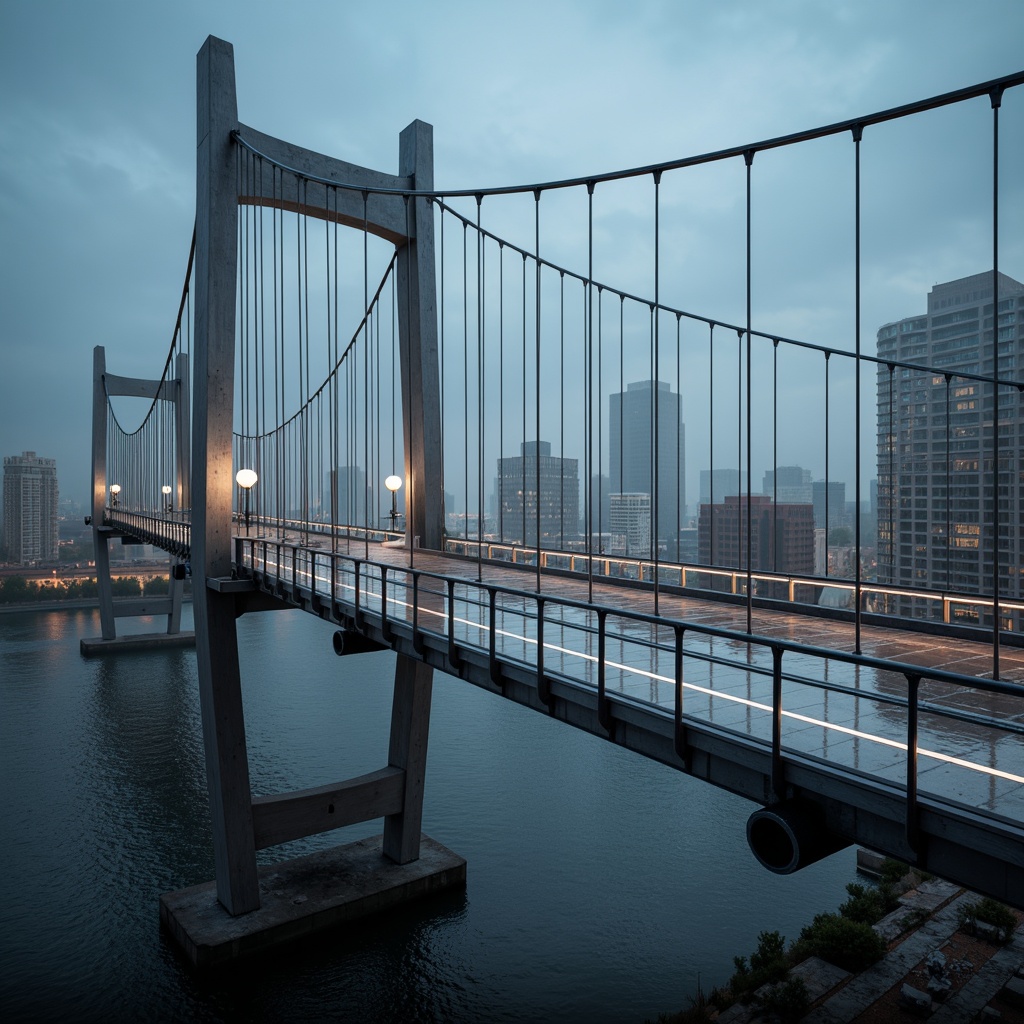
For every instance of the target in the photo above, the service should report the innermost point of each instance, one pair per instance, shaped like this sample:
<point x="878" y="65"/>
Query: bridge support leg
<point x="176" y="592"/>
<point x="227" y="761"/>
<point x="410" y="725"/>
<point x="104" y="588"/>
<point x="100" y="532"/>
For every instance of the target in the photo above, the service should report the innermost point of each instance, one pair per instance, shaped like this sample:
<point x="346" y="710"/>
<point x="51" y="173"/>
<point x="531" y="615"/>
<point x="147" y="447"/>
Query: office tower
<point x="634" y="427"/>
<point x="781" y="538"/>
<point x="349" y="494"/>
<point x="716" y="485"/>
<point x="600" y="504"/>
<point x="829" y="501"/>
<point x="936" y="504"/>
<point x="788" y="485"/>
<point x="558" y="508"/>
<point x="30" y="509"/>
<point x="631" y="524"/>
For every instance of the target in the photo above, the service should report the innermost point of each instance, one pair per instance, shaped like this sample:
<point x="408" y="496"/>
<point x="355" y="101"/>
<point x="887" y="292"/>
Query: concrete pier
<point x="140" y="642"/>
<point x="306" y="895"/>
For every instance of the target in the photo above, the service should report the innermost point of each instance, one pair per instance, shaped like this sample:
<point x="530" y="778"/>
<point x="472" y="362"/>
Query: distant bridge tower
<point x="107" y="506"/>
<point x="241" y="825"/>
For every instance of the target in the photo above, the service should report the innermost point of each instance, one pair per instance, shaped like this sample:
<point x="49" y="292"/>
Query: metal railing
<point x="568" y="642"/>
<point x="788" y="588"/>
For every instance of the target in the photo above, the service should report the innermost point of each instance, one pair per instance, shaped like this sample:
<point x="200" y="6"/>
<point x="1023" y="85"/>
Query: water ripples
<point x="599" y="884"/>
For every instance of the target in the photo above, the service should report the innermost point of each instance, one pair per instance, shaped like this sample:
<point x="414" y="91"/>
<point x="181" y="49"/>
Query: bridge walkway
<point x="852" y="716"/>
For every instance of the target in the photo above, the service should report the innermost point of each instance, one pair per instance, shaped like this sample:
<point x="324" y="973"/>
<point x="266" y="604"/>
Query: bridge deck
<point x="971" y="743"/>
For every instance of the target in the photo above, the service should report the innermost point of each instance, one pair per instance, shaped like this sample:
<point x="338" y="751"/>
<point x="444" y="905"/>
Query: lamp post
<point x="167" y="497"/>
<point x="393" y="483"/>
<point x="246" y="478"/>
<point x="115" y="490"/>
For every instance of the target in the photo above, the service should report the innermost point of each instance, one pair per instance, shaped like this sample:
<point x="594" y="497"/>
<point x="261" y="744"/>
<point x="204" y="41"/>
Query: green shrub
<point x="991" y="912"/>
<point x="865" y="904"/>
<point x="787" y="1002"/>
<point x="851" y="945"/>
<point x="126" y="586"/>
<point x="768" y="963"/>
<point x="770" y="953"/>
<point x="893" y="871"/>
<point x="158" y="585"/>
<point x="894" y="874"/>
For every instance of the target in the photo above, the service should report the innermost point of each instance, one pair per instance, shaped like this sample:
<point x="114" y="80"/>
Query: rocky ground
<point x="933" y="970"/>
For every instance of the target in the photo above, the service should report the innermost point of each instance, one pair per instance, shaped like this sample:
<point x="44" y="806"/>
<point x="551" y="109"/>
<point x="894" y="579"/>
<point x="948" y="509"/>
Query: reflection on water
<point x="599" y="884"/>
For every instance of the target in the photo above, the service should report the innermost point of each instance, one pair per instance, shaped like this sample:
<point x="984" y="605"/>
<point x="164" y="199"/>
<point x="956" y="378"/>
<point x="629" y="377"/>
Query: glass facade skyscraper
<point x="30" y="509"/>
<point x="645" y="426"/>
<point x="937" y="493"/>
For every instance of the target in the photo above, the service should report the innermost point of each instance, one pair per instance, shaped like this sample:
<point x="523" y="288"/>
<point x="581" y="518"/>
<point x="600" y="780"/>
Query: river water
<point x="601" y="886"/>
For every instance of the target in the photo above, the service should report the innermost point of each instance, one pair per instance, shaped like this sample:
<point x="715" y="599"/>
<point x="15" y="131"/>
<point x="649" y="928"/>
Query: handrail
<point x="646" y="567"/>
<point x="151" y="527"/>
<point x="647" y="618"/>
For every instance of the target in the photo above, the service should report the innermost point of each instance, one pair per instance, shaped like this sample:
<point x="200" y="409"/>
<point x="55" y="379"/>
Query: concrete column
<point x="104" y="588"/>
<point x="417" y="310"/>
<point x="410" y="726"/>
<point x="227" y="765"/>
<point x="182" y="482"/>
<point x="421" y="421"/>
<point x="100" y="536"/>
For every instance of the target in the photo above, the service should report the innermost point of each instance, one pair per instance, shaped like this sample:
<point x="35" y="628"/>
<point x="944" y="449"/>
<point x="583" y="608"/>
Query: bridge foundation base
<point x="139" y="642"/>
<point x="306" y="895"/>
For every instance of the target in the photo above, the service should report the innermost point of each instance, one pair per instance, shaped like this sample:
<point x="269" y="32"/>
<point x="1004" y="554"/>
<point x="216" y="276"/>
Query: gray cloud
<point x="97" y="153"/>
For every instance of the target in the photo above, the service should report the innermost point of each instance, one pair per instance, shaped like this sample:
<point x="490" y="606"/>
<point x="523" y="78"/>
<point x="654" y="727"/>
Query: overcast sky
<point x="97" y="142"/>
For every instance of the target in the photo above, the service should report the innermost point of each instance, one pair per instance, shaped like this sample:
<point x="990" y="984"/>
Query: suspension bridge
<point x="353" y="355"/>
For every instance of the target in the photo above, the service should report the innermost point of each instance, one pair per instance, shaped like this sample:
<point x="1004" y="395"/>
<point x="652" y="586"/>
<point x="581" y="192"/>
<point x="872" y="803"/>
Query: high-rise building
<point x="631" y="524"/>
<point x="781" y="537"/>
<point x="716" y="484"/>
<point x="348" y="493"/>
<point x="645" y="419"/>
<point x="558" y="508"/>
<point x="936" y="501"/>
<point x="600" y="504"/>
<point x="788" y="485"/>
<point x="30" y="508"/>
<point x="829" y="501"/>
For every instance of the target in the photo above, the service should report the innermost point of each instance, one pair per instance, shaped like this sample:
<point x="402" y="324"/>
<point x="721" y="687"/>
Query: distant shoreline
<point x="72" y="604"/>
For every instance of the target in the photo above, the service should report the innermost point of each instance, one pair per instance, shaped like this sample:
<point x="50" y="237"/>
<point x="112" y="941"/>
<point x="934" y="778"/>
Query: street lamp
<point x="167" y="497"/>
<point x="115" y="490"/>
<point x="392" y="483"/>
<point x="246" y="478"/>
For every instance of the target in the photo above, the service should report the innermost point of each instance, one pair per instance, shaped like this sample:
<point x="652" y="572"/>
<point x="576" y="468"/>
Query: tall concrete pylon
<point x="241" y="825"/>
<point x="174" y="390"/>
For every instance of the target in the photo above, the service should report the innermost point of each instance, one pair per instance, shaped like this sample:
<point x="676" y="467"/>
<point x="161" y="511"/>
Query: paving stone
<point x="870" y="985"/>
<point x="983" y="987"/>
<point x="1013" y="992"/>
<point x="915" y="1000"/>
<point x="929" y="895"/>
<point x="818" y="976"/>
